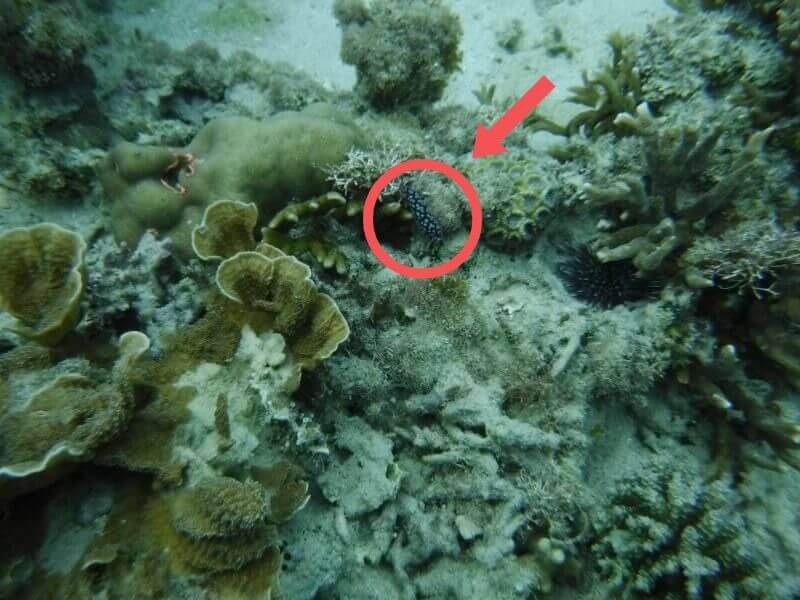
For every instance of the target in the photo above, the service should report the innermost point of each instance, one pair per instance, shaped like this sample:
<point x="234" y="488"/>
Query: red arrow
<point x="489" y="140"/>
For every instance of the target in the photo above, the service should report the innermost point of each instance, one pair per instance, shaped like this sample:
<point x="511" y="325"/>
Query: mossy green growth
<point x="238" y="14"/>
<point x="268" y="163"/>
<point x="404" y="51"/>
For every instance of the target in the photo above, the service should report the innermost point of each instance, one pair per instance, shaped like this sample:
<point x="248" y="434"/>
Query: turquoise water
<point x="353" y="300"/>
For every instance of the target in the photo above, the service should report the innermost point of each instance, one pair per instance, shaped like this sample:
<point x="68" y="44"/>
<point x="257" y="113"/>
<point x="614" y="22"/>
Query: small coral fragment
<point x="42" y="280"/>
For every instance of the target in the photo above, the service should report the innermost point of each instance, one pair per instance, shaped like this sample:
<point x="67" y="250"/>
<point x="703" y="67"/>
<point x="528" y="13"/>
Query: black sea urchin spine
<point x="603" y="284"/>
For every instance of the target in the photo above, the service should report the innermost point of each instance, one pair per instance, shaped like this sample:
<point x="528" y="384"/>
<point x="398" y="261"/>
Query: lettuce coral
<point x="64" y="422"/>
<point x="42" y="281"/>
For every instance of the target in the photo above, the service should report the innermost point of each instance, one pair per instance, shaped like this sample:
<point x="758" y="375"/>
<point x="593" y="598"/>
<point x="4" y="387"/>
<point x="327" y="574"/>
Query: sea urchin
<point x="603" y="284"/>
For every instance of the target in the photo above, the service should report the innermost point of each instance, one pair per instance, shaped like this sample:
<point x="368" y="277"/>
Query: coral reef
<point x="667" y="534"/>
<point x="43" y="280"/>
<point x="429" y="34"/>
<point x="267" y="163"/>
<point x="603" y="401"/>
<point x="647" y="227"/>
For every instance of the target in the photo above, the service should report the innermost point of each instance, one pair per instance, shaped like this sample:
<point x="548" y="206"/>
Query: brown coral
<point x="42" y="280"/>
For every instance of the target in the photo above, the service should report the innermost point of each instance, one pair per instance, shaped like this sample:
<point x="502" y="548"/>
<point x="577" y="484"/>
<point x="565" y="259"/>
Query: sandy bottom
<point x="305" y="34"/>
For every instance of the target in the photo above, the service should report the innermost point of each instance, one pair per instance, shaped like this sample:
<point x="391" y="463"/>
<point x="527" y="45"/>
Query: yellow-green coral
<point x="65" y="421"/>
<point x="281" y="287"/>
<point x="227" y="228"/>
<point x="42" y="280"/>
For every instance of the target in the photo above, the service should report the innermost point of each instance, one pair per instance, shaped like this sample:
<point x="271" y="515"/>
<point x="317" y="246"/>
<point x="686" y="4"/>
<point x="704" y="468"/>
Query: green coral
<point x="403" y="51"/>
<point x="518" y="199"/>
<point x="648" y="226"/>
<point x="614" y="90"/>
<point x="42" y="280"/>
<point x="667" y="535"/>
<point x="268" y="163"/>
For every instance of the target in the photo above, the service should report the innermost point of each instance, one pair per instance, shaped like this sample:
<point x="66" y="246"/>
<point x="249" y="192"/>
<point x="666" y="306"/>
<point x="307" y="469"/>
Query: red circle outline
<point x="368" y="217"/>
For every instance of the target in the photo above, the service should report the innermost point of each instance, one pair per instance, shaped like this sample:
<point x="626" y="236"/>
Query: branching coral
<point x="648" y="225"/>
<point x="751" y="408"/>
<point x="616" y="89"/>
<point x="665" y="534"/>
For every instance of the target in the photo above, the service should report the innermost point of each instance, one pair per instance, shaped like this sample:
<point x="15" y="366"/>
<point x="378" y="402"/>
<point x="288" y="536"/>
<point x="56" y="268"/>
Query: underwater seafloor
<point x="210" y="387"/>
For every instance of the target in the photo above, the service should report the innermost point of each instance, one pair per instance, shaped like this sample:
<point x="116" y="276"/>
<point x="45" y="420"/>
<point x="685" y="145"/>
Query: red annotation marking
<point x="489" y="140"/>
<point x="368" y="218"/>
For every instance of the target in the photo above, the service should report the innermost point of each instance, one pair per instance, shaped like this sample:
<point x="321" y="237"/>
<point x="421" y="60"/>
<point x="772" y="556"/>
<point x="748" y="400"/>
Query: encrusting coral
<point x="42" y="280"/>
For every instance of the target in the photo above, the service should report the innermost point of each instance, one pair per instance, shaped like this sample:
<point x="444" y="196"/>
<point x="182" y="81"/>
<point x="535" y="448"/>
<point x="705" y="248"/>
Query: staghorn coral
<point x="428" y="34"/>
<point x="666" y="534"/>
<point x="42" y="281"/>
<point x="752" y="409"/>
<point x="647" y="226"/>
<point x="774" y="327"/>
<point x="615" y="89"/>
